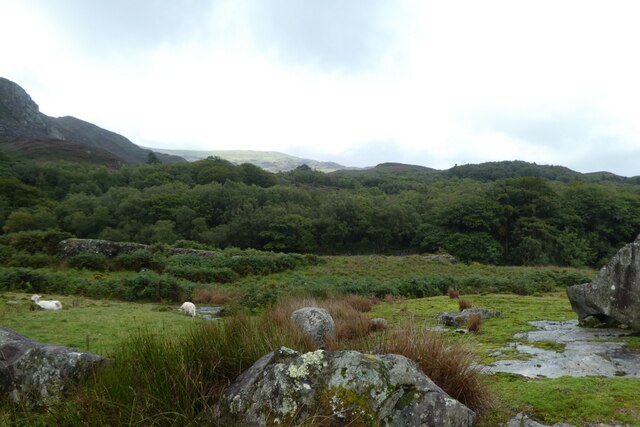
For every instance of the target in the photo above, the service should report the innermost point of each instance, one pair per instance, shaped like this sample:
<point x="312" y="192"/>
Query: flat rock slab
<point x="588" y="352"/>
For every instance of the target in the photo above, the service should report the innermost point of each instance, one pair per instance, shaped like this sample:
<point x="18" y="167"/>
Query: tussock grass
<point x="463" y="304"/>
<point x="474" y="322"/>
<point x="450" y="365"/>
<point x="453" y="294"/>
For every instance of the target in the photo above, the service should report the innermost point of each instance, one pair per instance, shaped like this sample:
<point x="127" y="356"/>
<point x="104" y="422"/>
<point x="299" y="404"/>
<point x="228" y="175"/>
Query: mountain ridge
<point x="23" y="128"/>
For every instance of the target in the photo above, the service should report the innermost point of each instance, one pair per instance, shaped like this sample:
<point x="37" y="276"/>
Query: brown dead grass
<point x="474" y="322"/>
<point x="453" y="294"/>
<point x="215" y="296"/>
<point x="450" y="365"/>
<point x="464" y="304"/>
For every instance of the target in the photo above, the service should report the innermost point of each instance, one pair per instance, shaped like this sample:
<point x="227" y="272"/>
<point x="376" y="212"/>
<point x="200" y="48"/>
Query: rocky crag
<point x="23" y="127"/>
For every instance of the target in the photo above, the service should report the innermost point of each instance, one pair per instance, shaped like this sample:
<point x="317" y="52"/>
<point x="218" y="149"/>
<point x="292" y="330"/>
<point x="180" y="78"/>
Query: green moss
<point x="548" y="345"/>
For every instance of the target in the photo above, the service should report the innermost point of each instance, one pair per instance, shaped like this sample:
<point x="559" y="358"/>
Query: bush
<point x="88" y="261"/>
<point x="138" y="260"/>
<point x="34" y="280"/>
<point x="23" y="259"/>
<point x="36" y="241"/>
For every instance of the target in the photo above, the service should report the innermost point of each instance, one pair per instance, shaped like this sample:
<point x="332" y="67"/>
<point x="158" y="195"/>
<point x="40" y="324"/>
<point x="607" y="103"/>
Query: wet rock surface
<point x="587" y="352"/>
<point x="208" y="313"/>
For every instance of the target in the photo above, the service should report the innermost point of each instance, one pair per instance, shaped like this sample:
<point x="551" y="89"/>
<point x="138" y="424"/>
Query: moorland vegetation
<point x="287" y="240"/>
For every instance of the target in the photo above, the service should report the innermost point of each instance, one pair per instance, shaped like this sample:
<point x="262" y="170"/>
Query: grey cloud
<point x="550" y="128"/>
<point x="125" y="26"/>
<point x="346" y="36"/>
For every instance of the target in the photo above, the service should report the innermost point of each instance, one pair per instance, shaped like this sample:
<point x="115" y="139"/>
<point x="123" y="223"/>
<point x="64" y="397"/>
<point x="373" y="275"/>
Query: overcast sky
<point x="359" y="82"/>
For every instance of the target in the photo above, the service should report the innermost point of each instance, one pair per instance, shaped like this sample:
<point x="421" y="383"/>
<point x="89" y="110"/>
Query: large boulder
<point x="613" y="297"/>
<point x="35" y="374"/>
<point x="287" y="388"/>
<point x="316" y="323"/>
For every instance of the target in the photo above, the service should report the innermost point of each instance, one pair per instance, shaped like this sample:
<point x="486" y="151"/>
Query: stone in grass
<point x="459" y="318"/>
<point x="316" y="323"/>
<point x="35" y="374"/>
<point x="289" y="388"/>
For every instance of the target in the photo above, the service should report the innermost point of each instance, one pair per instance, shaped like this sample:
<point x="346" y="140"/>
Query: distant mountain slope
<point x="271" y="161"/>
<point x="25" y="129"/>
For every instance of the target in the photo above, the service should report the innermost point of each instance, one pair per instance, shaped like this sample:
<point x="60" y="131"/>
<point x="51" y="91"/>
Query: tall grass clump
<point x="450" y="365"/>
<point x="474" y="321"/>
<point x="453" y="294"/>
<point x="154" y="379"/>
<point x="463" y="304"/>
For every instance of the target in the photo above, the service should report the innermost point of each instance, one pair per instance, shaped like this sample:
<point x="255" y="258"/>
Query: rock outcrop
<point x="71" y="247"/>
<point x="287" y="388"/>
<point x="316" y="323"/>
<point x="459" y="318"/>
<point x="35" y="374"/>
<point x="613" y="297"/>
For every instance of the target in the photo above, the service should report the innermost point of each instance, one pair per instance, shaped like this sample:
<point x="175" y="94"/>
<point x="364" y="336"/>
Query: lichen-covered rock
<point x="35" y="374"/>
<point x="613" y="297"/>
<point x="287" y="387"/>
<point x="71" y="247"/>
<point x="316" y="323"/>
<point x="459" y="318"/>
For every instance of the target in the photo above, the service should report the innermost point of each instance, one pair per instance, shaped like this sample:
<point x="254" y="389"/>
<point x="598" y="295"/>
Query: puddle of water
<point x="587" y="353"/>
<point x="209" y="313"/>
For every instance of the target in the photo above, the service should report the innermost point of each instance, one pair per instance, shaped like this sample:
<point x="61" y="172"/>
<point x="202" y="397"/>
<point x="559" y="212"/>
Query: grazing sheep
<point x="46" y="304"/>
<point x="188" y="308"/>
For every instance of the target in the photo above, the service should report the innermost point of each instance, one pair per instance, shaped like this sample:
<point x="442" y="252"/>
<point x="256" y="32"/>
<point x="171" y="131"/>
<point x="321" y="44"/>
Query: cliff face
<point x="22" y="123"/>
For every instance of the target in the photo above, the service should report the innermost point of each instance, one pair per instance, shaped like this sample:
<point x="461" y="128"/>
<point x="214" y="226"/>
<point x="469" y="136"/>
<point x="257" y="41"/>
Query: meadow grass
<point x="86" y="324"/>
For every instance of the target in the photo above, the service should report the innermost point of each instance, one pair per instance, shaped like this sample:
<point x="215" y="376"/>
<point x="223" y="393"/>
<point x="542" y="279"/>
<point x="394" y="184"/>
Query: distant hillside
<point x="23" y="128"/>
<point x="271" y="161"/>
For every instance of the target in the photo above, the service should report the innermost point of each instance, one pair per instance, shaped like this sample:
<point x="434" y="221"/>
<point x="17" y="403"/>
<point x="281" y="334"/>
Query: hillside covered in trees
<point x="512" y="213"/>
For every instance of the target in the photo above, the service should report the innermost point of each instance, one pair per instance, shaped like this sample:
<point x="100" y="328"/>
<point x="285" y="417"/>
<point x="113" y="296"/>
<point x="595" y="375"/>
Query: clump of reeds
<point x="473" y="323"/>
<point x="463" y="304"/>
<point x="453" y="293"/>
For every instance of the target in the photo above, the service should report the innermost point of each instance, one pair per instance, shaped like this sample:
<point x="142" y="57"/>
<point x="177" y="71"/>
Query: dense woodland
<point x="512" y="213"/>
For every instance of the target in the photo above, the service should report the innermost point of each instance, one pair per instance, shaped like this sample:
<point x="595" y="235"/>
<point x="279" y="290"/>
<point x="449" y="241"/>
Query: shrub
<point x="36" y="240"/>
<point x="89" y="261"/>
<point x="37" y="260"/>
<point x="138" y="260"/>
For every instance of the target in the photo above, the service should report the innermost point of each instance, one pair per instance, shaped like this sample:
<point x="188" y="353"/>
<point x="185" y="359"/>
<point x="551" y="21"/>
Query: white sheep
<point x="188" y="308"/>
<point x="46" y="304"/>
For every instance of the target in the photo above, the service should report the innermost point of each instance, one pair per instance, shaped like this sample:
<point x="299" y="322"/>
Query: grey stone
<point x="459" y="318"/>
<point x="316" y="323"/>
<point x="613" y="297"/>
<point x="36" y="374"/>
<point x="71" y="247"/>
<point x="287" y="387"/>
<point x="378" y="324"/>
<point x="522" y="420"/>
<point x="443" y="258"/>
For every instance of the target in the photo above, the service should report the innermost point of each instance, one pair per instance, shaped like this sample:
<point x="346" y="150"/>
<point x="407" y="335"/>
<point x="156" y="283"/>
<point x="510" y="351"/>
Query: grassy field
<point x="102" y="326"/>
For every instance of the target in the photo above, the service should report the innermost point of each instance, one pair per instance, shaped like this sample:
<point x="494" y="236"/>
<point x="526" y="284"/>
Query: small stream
<point x="588" y="352"/>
